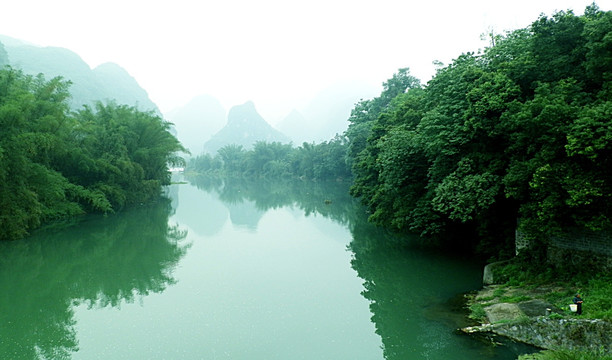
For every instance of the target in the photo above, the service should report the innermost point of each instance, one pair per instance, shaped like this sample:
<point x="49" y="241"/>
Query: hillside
<point x="105" y="82"/>
<point x="197" y="121"/>
<point x="120" y="85"/>
<point x="3" y="55"/>
<point x="244" y="127"/>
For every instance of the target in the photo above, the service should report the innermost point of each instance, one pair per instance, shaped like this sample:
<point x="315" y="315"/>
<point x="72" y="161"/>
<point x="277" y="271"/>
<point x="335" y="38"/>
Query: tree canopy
<point x="55" y="163"/>
<point x="517" y="136"/>
<point x="323" y="161"/>
<point x="520" y="131"/>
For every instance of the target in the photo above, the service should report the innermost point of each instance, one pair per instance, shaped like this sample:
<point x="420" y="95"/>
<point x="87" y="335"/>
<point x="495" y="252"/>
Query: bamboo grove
<point x="55" y="163"/>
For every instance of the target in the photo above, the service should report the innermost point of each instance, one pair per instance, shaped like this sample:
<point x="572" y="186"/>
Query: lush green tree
<point x="598" y="47"/>
<point x="323" y="161"/>
<point x="33" y="120"/>
<point x="130" y="152"/>
<point x="366" y="112"/>
<point x="303" y="160"/>
<point x="205" y="163"/>
<point x="267" y="158"/>
<point x="55" y="164"/>
<point x="558" y="46"/>
<point x="518" y="132"/>
<point x="331" y="162"/>
<point x="233" y="157"/>
<point x="363" y="131"/>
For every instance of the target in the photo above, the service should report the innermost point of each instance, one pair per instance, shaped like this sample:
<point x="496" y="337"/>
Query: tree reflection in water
<point x="415" y="297"/>
<point x="407" y="284"/>
<point x="107" y="261"/>
<point x="329" y="199"/>
<point x="100" y="262"/>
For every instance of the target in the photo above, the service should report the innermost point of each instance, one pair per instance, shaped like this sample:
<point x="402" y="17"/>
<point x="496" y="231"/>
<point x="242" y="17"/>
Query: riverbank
<point x="530" y="315"/>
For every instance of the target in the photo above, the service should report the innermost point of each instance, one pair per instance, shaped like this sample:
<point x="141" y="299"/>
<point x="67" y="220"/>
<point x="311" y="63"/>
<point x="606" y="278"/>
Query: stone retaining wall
<point x="550" y="333"/>
<point x="575" y="247"/>
<point x="584" y="240"/>
<point x="578" y="258"/>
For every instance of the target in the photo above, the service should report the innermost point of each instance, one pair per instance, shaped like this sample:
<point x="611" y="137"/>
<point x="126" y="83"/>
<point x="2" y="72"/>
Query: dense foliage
<point x="521" y="131"/>
<point x="323" y="161"/>
<point x="518" y="135"/>
<point x="54" y="163"/>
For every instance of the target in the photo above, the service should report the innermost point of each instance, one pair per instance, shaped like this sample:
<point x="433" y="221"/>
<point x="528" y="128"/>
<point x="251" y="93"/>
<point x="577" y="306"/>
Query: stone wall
<point x="521" y="241"/>
<point x="589" y="241"/>
<point x="549" y="333"/>
<point x="575" y="247"/>
<point x="578" y="258"/>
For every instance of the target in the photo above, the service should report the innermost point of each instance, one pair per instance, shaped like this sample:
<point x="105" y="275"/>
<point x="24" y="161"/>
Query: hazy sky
<point x="278" y="53"/>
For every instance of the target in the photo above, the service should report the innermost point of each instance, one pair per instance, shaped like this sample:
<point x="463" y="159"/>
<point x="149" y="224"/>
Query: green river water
<point x="242" y="270"/>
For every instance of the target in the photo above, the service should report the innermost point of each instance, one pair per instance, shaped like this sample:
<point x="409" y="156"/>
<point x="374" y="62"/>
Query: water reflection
<point x="201" y="211"/>
<point x="416" y="298"/>
<point x="407" y="286"/>
<point x="248" y="200"/>
<point x="101" y="262"/>
<point x="105" y="262"/>
<point x="414" y="292"/>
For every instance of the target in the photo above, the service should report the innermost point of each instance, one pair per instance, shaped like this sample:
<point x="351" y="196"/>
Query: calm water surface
<point x="234" y="271"/>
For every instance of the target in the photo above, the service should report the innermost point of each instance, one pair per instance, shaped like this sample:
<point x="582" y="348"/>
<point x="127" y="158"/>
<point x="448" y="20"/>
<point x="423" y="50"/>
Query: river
<point x="235" y="270"/>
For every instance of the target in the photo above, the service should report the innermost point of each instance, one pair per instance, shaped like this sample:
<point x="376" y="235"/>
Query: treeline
<point x="56" y="163"/>
<point x="521" y="133"/>
<point x="323" y="161"/>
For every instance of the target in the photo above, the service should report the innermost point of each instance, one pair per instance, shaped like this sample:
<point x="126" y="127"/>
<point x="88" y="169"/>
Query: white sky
<point x="278" y="53"/>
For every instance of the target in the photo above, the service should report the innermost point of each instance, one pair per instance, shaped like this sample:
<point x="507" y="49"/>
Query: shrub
<point x="477" y="312"/>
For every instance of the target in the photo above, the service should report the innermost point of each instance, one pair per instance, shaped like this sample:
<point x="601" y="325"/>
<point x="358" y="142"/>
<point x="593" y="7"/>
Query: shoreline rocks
<point x="546" y="333"/>
<point x="537" y="322"/>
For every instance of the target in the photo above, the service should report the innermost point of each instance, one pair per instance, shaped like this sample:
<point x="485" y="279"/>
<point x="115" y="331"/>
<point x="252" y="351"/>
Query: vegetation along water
<point x="236" y="270"/>
<point x="516" y="138"/>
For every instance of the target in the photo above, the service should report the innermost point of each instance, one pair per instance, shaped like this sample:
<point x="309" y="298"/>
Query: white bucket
<point x="573" y="307"/>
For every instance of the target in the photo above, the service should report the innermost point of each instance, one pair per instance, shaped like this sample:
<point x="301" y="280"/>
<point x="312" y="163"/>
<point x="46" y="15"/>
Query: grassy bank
<point x="563" y="283"/>
<point x="528" y="280"/>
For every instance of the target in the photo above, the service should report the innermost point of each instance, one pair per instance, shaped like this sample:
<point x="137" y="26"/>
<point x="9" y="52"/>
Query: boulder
<point x="503" y="311"/>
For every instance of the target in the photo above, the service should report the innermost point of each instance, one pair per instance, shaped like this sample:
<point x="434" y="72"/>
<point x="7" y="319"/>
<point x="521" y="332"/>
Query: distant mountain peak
<point x="111" y="66"/>
<point x="246" y="112"/>
<point x="245" y="126"/>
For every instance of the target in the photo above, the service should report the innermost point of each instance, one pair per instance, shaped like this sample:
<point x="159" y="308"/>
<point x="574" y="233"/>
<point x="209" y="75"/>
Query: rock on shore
<point x="530" y="321"/>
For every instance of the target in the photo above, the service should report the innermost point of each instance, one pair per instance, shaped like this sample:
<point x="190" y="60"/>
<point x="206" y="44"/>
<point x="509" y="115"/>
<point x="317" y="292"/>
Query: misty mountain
<point x="105" y="82"/>
<point x="327" y="113"/>
<point x="290" y="125"/>
<point x="121" y="86"/>
<point x="244" y="127"/>
<point x="197" y="121"/>
<point x="3" y="56"/>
